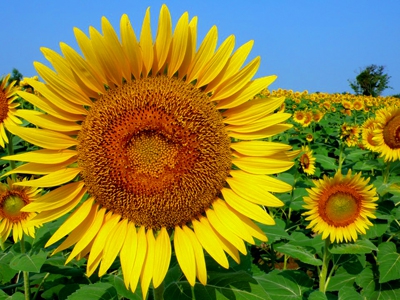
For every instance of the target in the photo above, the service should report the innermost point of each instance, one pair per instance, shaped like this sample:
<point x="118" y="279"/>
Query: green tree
<point x="371" y="81"/>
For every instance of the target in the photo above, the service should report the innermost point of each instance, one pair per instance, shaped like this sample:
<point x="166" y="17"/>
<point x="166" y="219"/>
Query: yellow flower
<point x="7" y="108"/>
<point x="145" y="129"/>
<point x="12" y="199"/>
<point x="299" y="116"/>
<point x="387" y="133"/>
<point x="309" y="137"/>
<point x="308" y="118"/>
<point x="339" y="207"/>
<point x="307" y="160"/>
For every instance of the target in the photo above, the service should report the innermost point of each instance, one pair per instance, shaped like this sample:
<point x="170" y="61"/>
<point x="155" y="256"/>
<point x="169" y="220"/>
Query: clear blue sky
<point x="310" y="45"/>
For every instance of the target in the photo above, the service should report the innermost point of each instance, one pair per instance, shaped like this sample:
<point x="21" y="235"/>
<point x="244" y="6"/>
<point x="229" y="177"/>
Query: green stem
<point x="386" y="173"/>
<point x="325" y="264"/>
<point x="341" y="158"/>
<point x="158" y="292"/>
<point x="40" y="285"/>
<point x="27" y="287"/>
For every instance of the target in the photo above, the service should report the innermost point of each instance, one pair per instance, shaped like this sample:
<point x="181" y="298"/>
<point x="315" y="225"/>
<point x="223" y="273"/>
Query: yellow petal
<point x="43" y="156"/>
<point x="190" y="49"/>
<point x="260" y="124"/>
<point x="203" y="55"/>
<point x="268" y="183"/>
<point x="128" y="253"/>
<point x="55" y="198"/>
<point x="131" y="47"/>
<point x="228" y="247"/>
<point x="209" y="241"/>
<point x="47" y="121"/>
<point x="111" y="220"/>
<point x="76" y="218"/>
<point x="221" y="228"/>
<point x="258" y="193"/>
<point x="148" y="267"/>
<point x="252" y="110"/>
<point x="146" y="44"/>
<point x="185" y="255"/>
<point x="236" y="82"/>
<point x="163" y="39"/>
<point x="111" y="40"/>
<point x="217" y="62"/>
<point x="179" y="44"/>
<point x="113" y="246"/>
<point x="261" y="134"/>
<point x="53" y="179"/>
<point x="45" y="138"/>
<point x="246" y="208"/>
<point x="252" y="228"/>
<point x="230" y="219"/>
<point x="259" y="148"/>
<point x="34" y="168"/>
<point x="78" y="232"/>
<point x="232" y="66"/>
<point x="201" y="271"/>
<point x="140" y="258"/>
<point x="162" y="257"/>
<point x="262" y="165"/>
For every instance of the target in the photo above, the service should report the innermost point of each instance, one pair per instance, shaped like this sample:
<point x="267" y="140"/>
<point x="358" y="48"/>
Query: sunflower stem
<point x="325" y="264"/>
<point x="10" y="151"/>
<point x="341" y="158"/>
<point x="386" y="173"/>
<point x="158" y="293"/>
<point x="27" y="287"/>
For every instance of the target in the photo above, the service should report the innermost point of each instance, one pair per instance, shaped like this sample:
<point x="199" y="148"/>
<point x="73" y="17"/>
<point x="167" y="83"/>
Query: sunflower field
<point x="158" y="168"/>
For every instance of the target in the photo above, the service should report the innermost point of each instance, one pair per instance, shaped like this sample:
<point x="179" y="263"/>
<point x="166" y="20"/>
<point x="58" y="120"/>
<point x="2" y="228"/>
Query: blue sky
<point x="310" y="45"/>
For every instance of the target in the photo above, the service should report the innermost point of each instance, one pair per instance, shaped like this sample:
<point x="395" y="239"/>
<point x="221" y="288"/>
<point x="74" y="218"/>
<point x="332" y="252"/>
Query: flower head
<point x="340" y="207"/>
<point x="12" y="217"/>
<point x="145" y="129"/>
<point x="7" y="108"/>
<point x="307" y="160"/>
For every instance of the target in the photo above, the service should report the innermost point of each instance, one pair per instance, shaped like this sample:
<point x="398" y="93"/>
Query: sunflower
<point x="387" y="133"/>
<point x="7" y="108"/>
<point x="308" y="118"/>
<point x="145" y="130"/>
<point x="309" y="137"/>
<point x="299" y="116"/>
<point x="339" y="207"/>
<point x="12" y="199"/>
<point x="307" y="160"/>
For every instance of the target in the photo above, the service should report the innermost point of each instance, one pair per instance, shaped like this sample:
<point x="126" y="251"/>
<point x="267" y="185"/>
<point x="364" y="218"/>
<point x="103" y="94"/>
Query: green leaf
<point x="328" y="163"/>
<point x="358" y="247"/>
<point x="349" y="293"/>
<point x="15" y="296"/>
<point x="297" y="202"/>
<point x="379" y="228"/>
<point x="117" y="282"/>
<point x="301" y="253"/>
<point x="341" y="279"/>
<point x="300" y="239"/>
<point x="6" y="273"/>
<point x="96" y="291"/>
<point x="275" y="232"/>
<point x="317" y="295"/>
<point x="29" y="262"/>
<point x="388" y="262"/>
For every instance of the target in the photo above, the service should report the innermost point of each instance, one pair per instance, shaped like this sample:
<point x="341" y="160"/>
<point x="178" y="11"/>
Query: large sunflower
<point x="7" y="108"/>
<point x="387" y="133"/>
<point x="12" y="199"/>
<point x="339" y="207"/>
<point x="144" y="130"/>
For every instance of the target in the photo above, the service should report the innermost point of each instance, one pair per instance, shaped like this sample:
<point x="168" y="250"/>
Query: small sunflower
<point x="307" y="160"/>
<point x="299" y="116"/>
<point x="387" y="133"/>
<point x="145" y="129"/>
<point x="308" y="118"/>
<point x="12" y="199"/>
<point x="339" y="207"/>
<point x="309" y="137"/>
<point x="7" y="108"/>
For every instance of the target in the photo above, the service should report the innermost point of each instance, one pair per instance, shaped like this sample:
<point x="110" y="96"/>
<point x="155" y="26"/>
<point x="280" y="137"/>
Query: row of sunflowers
<point x="157" y="169"/>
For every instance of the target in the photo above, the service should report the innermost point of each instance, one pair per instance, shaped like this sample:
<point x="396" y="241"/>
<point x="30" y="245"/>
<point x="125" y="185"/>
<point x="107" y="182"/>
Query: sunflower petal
<point x="162" y="257"/>
<point x="185" y="255"/>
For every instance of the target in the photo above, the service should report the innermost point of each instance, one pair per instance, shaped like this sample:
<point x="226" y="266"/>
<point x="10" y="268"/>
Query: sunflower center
<point x="11" y="203"/>
<point x="305" y="161"/>
<point x="155" y="151"/>
<point x="391" y="133"/>
<point x="341" y="206"/>
<point x="3" y="106"/>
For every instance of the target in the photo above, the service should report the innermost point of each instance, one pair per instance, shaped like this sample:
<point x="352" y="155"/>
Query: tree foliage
<point x="371" y="81"/>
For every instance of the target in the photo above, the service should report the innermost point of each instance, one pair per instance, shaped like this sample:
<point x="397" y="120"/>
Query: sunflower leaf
<point x="300" y="253"/>
<point x="96" y="291"/>
<point x="388" y="262"/>
<point x="358" y="247"/>
<point x="29" y="262"/>
<point x="328" y="163"/>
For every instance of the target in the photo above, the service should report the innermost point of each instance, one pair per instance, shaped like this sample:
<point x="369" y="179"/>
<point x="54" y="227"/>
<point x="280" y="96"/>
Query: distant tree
<point x="15" y="75"/>
<point x="371" y="81"/>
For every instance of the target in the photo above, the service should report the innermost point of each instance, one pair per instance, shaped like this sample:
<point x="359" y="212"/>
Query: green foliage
<point x="371" y="81"/>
